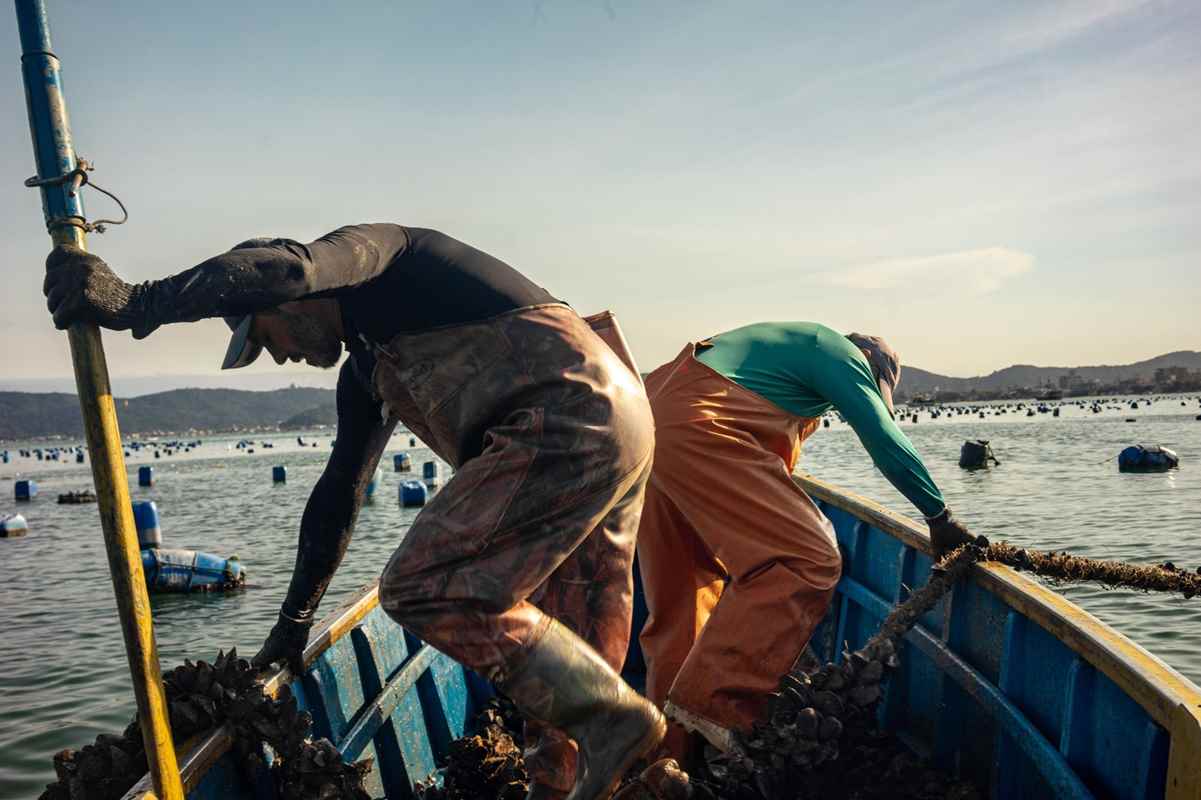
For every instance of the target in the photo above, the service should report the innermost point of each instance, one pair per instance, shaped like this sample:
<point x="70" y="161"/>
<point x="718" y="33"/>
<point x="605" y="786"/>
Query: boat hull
<point x="1004" y="682"/>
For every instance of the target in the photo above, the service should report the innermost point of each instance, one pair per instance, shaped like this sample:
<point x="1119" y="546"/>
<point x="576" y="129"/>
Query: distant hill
<point x="324" y="414"/>
<point x="916" y="381"/>
<point x="25" y="415"/>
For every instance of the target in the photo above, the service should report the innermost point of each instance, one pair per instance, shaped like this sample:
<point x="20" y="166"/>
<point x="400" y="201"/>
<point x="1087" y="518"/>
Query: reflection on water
<point x="63" y="677"/>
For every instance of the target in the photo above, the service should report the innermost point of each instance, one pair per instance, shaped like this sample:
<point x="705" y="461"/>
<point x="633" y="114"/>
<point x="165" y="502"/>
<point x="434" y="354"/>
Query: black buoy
<point x="976" y="455"/>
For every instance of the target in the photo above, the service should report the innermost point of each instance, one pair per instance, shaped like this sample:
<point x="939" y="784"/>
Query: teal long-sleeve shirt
<point x="806" y="369"/>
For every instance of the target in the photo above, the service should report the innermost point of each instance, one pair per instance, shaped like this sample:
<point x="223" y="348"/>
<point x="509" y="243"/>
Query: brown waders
<point x="552" y="439"/>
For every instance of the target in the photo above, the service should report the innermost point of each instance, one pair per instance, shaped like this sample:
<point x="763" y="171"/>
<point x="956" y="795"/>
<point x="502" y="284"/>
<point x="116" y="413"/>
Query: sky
<point x="981" y="183"/>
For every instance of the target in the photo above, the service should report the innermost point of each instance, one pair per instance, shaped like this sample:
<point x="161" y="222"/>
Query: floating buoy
<point x="25" y="489"/>
<point x="401" y="462"/>
<point x="190" y="571"/>
<point x="77" y="498"/>
<point x="145" y="519"/>
<point x="376" y="480"/>
<point x="279" y="473"/>
<point x="431" y="474"/>
<point x="79" y="458"/>
<point x="1055" y="413"/>
<point x="1131" y="419"/>
<point x="976" y="454"/>
<point x="413" y="494"/>
<point x="412" y="441"/>
<point x="145" y="476"/>
<point x="12" y="526"/>
<point x="826" y="422"/>
<point x="1147" y="458"/>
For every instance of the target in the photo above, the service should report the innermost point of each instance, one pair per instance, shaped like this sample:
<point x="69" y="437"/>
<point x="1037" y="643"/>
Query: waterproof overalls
<point x="738" y="564"/>
<point x="552" y="439"/>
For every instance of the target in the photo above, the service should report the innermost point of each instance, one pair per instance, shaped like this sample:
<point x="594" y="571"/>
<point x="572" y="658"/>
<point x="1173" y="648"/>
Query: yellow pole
<point x="55" y="157"/>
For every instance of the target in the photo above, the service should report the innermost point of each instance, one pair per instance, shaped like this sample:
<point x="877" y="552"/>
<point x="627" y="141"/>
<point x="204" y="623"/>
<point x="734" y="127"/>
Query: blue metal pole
<point x="59" y="180"/>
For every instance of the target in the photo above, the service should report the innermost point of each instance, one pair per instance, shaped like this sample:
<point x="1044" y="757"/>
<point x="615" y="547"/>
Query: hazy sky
<point x="982" y="183"/>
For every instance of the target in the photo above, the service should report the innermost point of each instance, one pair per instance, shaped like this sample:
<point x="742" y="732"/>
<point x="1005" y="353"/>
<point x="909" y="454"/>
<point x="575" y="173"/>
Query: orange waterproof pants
<point x="738" y="563"/>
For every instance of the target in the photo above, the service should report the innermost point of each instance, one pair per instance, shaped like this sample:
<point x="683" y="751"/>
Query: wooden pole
<point x="55" y="156"/>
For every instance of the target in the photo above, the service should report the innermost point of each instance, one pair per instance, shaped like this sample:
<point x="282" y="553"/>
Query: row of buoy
<point x="411" y="493"/>
<point x="908" y="414"/>
<point x="165" y="570"/>
<point x="978" y="454"/>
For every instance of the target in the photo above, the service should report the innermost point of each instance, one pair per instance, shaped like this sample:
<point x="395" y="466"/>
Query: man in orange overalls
<point x="738" y="563"/>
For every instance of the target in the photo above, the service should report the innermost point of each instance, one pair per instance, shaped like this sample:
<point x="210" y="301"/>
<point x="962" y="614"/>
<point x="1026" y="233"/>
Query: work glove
<point x="947" y="533"/>
<point x="80" y="287"/>
<point x="285" y="645"/>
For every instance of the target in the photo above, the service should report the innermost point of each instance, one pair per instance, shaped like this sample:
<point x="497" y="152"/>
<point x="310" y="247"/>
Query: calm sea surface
<point x="63" y="676"/>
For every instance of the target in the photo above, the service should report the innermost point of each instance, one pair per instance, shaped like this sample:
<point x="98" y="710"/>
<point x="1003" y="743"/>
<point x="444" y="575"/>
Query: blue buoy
<point x="431" y="474"/>
<point x="146" y="476"/>
<point x="190" y="570"/>
<point x="279" y="474"/>
<point x="401" y="462"/>
<point x="145" y="519"/>
<point x="4" y="456"/>
<point x="413" y="494"/>
<point x="79" y="457"/>
<point x="375" y="481"/>
<point x="12" y="526"/>
<point x="1147" y="458"/>
<point x="25" y="489"/>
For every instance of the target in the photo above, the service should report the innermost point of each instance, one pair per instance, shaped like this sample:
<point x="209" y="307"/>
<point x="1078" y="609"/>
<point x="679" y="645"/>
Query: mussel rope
<point x="806" y="718"/>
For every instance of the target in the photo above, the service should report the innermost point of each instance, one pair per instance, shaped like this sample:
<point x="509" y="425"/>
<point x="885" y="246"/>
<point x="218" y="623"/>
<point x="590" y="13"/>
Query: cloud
<point x="973" y="272"/>
<point x="1054" y="23"/>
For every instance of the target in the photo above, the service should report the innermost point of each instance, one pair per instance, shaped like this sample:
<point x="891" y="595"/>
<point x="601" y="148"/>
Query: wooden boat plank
<point x="360" y="734"/>
<point x="402" y="741"/>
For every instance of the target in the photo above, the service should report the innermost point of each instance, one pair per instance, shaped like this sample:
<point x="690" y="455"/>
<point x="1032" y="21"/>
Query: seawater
<point x="63" y="675"/>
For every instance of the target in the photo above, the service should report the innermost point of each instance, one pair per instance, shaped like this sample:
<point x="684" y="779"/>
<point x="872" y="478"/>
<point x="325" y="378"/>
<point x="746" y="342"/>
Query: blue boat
<point x="1005" y="683"/>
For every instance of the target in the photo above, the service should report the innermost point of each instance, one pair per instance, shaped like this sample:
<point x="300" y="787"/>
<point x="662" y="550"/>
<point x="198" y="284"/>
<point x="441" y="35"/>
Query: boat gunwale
<point x="1170" y="699"/>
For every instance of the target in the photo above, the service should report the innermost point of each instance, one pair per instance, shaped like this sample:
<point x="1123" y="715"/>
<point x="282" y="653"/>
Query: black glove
<point x="947" y="533"/>
<point x="80" y="287"/>
<point x="285" y="645"/>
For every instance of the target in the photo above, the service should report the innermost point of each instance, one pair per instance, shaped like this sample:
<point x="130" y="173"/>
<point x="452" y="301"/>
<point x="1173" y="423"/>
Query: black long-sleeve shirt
<point x="388" y="279"/>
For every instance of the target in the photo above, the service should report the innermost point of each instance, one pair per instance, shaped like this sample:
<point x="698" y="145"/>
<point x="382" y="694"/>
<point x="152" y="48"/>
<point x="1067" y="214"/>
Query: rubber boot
<point x="563" y="682"/>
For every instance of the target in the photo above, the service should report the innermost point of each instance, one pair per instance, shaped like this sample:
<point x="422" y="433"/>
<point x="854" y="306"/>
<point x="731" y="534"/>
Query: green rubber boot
<point x="563" y="682"/>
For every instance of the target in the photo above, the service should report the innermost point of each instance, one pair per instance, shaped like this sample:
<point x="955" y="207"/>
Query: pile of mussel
<point x="805" y="722"/>
<point x="807" y="717"/>
<point x="77" y="498"/>
<point x="486" y="766"/>
<point x="201" y="696"/>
